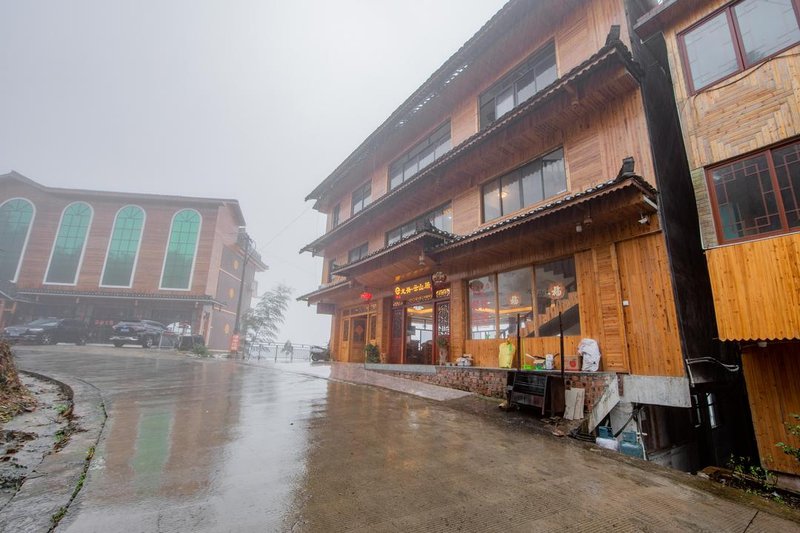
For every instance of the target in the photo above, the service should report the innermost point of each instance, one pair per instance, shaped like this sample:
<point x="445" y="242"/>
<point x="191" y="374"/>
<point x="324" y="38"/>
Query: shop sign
<point x="412" y="289"/>
<point x="443" y="293"/>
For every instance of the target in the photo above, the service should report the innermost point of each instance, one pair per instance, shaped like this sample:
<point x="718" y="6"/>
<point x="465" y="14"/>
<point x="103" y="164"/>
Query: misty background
<point x="249" y="99"/>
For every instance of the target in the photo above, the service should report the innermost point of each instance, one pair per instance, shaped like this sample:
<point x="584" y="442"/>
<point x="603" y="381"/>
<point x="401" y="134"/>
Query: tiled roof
<point x="419" y="234"/>
<point x="325" y="289"/>
<point x="624" y="178"/>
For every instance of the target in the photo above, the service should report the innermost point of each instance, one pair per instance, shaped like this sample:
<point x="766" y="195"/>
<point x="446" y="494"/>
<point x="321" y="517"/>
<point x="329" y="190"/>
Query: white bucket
<point x="548" y="361"/>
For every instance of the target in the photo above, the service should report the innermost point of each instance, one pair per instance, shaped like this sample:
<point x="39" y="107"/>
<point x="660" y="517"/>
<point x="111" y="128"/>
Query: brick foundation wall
<point x="484" y="381"/>
<point x="492" y="381"/>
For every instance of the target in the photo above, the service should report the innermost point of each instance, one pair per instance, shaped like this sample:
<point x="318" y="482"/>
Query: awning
<point x="195" y="298"/>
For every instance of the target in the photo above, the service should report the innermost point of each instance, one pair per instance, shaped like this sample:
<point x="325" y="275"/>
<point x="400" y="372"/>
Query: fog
<point x="246" y="99"/>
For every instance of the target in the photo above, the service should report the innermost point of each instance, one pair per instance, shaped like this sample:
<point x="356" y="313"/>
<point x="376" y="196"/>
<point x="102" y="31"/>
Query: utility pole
<point x="248" y="245"/>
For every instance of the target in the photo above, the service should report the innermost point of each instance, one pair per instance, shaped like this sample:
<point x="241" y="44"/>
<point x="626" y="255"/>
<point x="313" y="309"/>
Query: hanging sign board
<point x="413" y="290"/>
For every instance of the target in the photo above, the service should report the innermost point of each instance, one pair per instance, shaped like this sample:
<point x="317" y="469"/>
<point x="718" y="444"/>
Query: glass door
<point x="419" y="335"/>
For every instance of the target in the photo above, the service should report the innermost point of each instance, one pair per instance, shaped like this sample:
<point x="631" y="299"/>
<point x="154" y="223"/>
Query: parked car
<point x="48" y="331"/>
<point x="146" y="333"/>
<point x="320" y="353"/>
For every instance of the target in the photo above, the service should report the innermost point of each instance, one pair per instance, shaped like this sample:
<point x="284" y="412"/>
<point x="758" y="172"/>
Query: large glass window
<point x="420" y="156"/>
<point x="361" y="198"/>
<point x="123" y="247"/>
<point x="441" y="218"/>
<point x="526" y="80"/>
<point x="751" y="200"/>
<point x="68" y="248"/>
<point x="483" y="307"/>
<point x="737" y="37"/>
<point x="16" y="218"/>
<point x="536" y="181"/>
<point x="184" y="235"/>
<point x="493" y="313"/>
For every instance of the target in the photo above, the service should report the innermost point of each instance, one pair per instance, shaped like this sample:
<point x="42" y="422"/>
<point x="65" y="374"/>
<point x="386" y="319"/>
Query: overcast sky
<point x="257" y="100"/>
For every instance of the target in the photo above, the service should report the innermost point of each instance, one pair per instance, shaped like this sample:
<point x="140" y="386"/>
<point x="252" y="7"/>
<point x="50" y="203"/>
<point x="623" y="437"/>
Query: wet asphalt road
<point x="215" y="445"/>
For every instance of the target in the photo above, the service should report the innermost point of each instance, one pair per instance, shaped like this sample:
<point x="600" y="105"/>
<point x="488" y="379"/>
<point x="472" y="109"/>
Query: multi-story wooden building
<point x="107" y="256"/>
<point x="734" y="68"/>
<point x="522" y="168"/>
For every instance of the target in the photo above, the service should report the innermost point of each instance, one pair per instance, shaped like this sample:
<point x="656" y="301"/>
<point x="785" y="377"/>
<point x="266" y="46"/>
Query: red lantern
<point x="366" y="296"/>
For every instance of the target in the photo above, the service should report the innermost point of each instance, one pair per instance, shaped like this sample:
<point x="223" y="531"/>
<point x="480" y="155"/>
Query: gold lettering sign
<point x="412" y="289"/>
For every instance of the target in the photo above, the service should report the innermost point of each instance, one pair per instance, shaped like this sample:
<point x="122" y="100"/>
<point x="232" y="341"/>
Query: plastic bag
<point x="590" y="351"/>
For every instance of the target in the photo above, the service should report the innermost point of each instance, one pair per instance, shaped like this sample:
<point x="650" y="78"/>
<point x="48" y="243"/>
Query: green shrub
<point x="372" y="353"/>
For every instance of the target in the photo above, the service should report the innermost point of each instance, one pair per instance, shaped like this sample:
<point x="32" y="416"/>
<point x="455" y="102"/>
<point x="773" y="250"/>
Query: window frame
<point x="417" y="149"/>
<point x="335" y="215"/>
<point x="509" y="80"/>
<point x="83" y="248"/>
<point x="194" y="258"/>
<point x="416" y="221"/>
<point x="353" y="212"/>
<point x="738" y="45"/>
<point x="495" y="275"/>
<point x="712" y="194"/>
<point x="24" y="248"/>
<point x="138" y="248"/>
<point x="499" y="179"/>
<point x="361" y="256"/>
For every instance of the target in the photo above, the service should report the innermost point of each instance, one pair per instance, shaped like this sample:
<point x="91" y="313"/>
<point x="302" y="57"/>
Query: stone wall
<point x="492" y="381"/>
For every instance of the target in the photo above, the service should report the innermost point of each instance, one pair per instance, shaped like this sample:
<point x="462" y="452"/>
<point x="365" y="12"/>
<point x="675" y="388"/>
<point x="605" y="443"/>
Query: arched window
<point x="123" y="248"/>
<point x="184" y="235"/>
<point x="16" y="219"/>
<point x="67" y="253"/>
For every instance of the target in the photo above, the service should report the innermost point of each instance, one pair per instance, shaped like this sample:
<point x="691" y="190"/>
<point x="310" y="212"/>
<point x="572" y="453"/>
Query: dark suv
<point x="48" y="331"/>
<point x="143" y="332"/>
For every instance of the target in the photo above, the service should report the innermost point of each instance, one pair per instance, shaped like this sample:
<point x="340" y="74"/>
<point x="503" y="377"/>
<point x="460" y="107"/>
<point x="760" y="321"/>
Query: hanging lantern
<point x="366" y="296"/>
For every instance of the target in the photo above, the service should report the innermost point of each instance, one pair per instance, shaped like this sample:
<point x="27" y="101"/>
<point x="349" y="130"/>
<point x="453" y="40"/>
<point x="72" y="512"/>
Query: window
<point x="357" y="253"/>
<point x="420" y="156"/>
<point x="184" y="235"/>
<point x="441" y="218"/>
<point x="331" y="266"/>
<point x="361" y="198"/>
<point x="531" y="184"/>
<point x="736" y="38"/>
<point x="757" y="195"/>
<point x="335" y="216"/>
<point x="16" y="219"/>
<point x="496" y="300"/>
<point x="123" y="248"/>
<point x="67" y="253"/>
<point x="526" y="80"/>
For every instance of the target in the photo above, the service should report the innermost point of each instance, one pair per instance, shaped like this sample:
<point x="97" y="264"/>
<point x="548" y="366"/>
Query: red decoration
<point x="366" y="296"/>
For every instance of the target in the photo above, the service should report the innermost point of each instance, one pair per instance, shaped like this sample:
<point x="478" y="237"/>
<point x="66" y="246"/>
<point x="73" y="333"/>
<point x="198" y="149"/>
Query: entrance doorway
<point x="415" y="329"/>
<point x="357" y="330"/>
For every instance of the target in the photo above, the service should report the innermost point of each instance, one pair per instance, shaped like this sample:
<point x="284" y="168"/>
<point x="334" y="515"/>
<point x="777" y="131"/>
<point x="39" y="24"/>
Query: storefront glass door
<point x="419" y="335"/>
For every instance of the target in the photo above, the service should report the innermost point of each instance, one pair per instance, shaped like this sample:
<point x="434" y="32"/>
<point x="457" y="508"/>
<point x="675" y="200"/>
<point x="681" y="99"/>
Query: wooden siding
<point x="772" y="375"/>
<point x="756" y="288"/>
<point x="744" y="113"/>
<point x="650" y="320"/>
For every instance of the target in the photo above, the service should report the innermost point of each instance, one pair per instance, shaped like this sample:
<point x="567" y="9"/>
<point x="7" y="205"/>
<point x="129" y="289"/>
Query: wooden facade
<point x="606" y="220"/>
<point x="209" y="303"/>
<point x="755" y="279"/>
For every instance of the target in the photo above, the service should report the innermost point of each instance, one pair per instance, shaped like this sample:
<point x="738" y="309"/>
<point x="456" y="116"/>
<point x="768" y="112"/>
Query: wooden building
<point x="522" y="167"/>
<point x="106" y="256"/>
<point x="739" y="111"/>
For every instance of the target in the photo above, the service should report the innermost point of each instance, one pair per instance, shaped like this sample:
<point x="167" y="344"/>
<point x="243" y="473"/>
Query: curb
<point x="48" y="491"/>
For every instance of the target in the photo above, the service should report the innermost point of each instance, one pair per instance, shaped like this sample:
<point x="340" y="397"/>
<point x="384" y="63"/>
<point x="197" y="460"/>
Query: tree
<point x="261" y="324"/>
